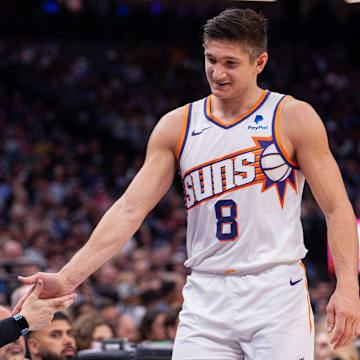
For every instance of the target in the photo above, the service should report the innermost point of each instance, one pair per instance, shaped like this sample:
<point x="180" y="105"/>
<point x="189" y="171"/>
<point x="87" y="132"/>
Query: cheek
<point x="73" y="343"/>
<point x="209" y="70"/>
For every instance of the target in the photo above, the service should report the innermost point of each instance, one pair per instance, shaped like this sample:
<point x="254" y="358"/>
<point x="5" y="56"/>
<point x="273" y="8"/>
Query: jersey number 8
<point x="226" y="214"/>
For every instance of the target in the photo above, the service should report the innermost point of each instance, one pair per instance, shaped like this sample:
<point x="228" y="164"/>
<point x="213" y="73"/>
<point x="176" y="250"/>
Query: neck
<point x="234" y="107"/>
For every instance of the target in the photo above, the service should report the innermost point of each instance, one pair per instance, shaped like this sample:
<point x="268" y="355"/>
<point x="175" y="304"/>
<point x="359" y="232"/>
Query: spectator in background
<point x="18" y="293"/>
<point x="55" y="342"/>
<point x="126" y="328"/>
<point x="322" y="345"/>
<point x="320" y="294"/>
<point x="105" y="281"/>
<point x="83" y="307"/>
<point x="171" y="322"/>
<point x="107" y="309"/>
<point x="347" y="352"/>
<point x="90" y="330"/>
<point x="152" y="326"/>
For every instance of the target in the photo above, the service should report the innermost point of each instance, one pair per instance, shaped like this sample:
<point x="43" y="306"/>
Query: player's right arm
<point x="123" y="219"/>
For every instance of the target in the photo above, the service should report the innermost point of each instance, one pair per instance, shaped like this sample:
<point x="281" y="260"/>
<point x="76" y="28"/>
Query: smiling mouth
<point x="220" y="84"/>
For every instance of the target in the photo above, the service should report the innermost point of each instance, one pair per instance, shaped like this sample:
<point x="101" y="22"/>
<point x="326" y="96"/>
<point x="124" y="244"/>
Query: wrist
<point x="22" y="323"/>
<point x="348" y="286"/>
<point x="67" y="281"/>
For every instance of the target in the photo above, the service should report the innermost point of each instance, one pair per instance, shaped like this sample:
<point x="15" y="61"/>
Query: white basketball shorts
<point x="262" y="316"/>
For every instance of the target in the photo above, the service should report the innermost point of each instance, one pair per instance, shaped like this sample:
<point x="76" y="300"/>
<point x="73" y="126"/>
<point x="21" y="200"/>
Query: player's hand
<point x="39" y="312"/>
<point x="343" y="313"/>
<point x="54" y="285"/>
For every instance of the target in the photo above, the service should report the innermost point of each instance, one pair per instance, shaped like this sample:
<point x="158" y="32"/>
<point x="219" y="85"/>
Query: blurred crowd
<point x="74" y="122"/>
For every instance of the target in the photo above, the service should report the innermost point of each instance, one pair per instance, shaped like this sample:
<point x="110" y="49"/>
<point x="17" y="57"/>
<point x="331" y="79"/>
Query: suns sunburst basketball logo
<point x="262" y="163"/>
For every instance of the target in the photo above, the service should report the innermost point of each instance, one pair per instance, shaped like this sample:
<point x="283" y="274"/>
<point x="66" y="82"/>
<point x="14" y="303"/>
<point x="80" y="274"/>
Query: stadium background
<point x="82" y="84"/>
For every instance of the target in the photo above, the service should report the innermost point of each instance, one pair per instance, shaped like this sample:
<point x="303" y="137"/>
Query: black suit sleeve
<point x="9" y="331"/>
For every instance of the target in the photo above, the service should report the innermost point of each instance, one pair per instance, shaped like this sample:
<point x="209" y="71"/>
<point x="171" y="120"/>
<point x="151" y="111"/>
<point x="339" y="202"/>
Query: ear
<point x="260" y="62"/>
<point x="33" y="346"/>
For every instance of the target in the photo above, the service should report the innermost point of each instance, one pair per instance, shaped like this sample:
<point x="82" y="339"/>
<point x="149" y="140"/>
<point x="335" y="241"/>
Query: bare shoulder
<point x="297" y="112"/>
<point x="300" y="122"/>
<point x="168" y="130"/>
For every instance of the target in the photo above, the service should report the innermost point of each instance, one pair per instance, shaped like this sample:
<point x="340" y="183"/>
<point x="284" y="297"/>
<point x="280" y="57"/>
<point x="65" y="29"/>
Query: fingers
<point x="330" y="318"/>
<point x="28" y="279"/>
<point x="345" y="336"/>
<point x="339" y="330"/>
<point x="38" y="288"/>
<point x="63" y="302"/>
<point x="60" y="300"/>
<point x="20" y="303"/>
<point x="345" y="330"/>
<point x="64" y="305"/>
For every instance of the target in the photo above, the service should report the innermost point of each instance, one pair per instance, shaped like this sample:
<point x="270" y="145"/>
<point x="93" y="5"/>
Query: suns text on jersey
<point x="221" y="175"/>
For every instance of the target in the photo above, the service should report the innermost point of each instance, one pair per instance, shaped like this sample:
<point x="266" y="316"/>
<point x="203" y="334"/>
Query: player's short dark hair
<point x="243" y="25"/>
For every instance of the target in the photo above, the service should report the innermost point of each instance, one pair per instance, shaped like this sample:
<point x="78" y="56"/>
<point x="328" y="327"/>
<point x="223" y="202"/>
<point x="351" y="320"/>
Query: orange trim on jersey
<point x="222" y="193"/>
<point x="277" y="133"/>
<point x="183" y="132"/>
<point x="260" y="178"/>
<point x="210" y="115"/>
<point x="227" y="272"/>
<point x="230" y="155"/>
<point x="307" y="295"/>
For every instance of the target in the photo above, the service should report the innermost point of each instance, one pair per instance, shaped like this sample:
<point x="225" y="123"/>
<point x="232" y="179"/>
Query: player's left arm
<point x="306" y="140"/>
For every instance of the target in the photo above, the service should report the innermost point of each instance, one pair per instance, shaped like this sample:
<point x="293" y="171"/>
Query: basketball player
<point x="243" y="153"/>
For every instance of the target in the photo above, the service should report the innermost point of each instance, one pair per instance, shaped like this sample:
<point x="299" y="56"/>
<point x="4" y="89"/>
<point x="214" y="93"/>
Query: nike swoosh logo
<point x="292" y="283"/>
<point x="194" y="133"/>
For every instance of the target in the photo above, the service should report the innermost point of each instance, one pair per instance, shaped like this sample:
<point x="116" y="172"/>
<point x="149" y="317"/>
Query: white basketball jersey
<point x="242" y="192"/>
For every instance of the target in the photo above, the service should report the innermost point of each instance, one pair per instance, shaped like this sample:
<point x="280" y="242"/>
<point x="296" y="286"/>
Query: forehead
<point x="225" y="49"/>
<point x="102" y="330"/>
<point x="56" y="325"/>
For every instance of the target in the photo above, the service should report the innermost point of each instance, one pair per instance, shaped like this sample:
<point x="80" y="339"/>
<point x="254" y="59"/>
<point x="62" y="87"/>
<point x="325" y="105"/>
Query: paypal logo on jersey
<point x="257" y="120"/>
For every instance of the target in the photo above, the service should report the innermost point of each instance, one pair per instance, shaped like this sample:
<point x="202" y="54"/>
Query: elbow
<point x="132" y="211"/>
<point x="343" y="208"/>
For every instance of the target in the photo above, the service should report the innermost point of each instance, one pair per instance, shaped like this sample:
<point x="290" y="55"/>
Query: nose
<point x="67" y="339"/>
<point x="218" y="74"/>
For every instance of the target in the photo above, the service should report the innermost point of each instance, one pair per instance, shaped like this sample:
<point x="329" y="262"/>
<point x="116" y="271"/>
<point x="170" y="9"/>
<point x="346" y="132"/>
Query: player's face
<point x="228" y="68"/>
<point x="56" y="341"/>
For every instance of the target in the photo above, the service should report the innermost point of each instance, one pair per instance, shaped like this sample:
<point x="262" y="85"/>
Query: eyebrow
<point x="55" y="331"/>
<point x="231" y="58"/>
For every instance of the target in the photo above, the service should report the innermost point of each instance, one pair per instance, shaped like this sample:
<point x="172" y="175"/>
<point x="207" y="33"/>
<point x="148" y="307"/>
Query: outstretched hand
<point x="39" y="312"/>
<point x="343" y="313"/>
<point x="53" y="286"/>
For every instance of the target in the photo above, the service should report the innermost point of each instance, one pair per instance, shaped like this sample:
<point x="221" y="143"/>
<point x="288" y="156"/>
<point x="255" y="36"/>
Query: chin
<point x="221" y="94"/>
